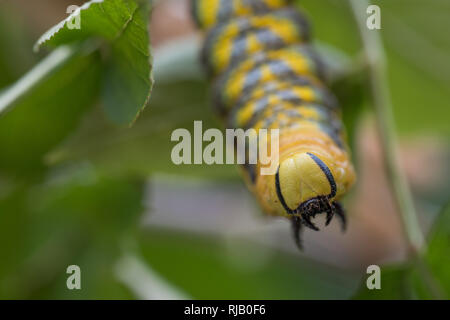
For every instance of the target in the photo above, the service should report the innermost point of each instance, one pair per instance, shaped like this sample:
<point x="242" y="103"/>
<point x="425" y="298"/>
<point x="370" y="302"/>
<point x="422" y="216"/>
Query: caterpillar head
<point x="305" y="183"/>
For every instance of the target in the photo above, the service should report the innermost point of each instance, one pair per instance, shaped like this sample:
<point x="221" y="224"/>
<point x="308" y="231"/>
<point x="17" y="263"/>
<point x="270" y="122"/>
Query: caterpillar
<point x="267" y="75"/>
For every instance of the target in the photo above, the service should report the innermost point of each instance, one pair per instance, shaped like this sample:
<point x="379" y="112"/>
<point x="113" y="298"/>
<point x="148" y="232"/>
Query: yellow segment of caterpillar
<point x="267" y="76"/>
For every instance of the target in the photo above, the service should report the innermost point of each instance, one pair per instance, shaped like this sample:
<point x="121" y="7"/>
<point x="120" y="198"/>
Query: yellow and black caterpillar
<point x="266" y="75"/>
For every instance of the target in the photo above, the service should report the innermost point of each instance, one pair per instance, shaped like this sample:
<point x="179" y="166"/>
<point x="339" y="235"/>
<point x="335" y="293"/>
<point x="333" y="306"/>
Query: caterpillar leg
<point x="329" y="211"/>
<point x="306" y="219"/>
<point x="297" y="228"/>
<point x="339" y="210"/>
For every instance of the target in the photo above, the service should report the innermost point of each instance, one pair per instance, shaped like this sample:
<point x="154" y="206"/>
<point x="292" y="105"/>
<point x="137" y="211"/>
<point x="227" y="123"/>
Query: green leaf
<point x="438" y="254"/>
<point x="123" y="24"/>
<point x="106" y="19"/>
<point x="50" y="107"/>
<point x="50" y="100"/>
<point x="128" y="78"/>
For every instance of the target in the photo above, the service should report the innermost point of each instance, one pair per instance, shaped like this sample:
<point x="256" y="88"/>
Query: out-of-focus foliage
<point x="74" y="218"/>
<point x="48" y="114"/>
<point x="395" y="285"/>
<point x="281" y="277"/>
<point x="80" y="216"/>
<point x="146" y="148"/>
<point x="419" y="71"/>
<point x="16" y="56"/>
<point x="437" y="255"/>
<point x="419" y="280"/>
<point x="64" y="217"/>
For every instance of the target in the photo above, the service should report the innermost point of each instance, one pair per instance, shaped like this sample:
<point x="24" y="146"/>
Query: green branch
<point x="10" y="96"/>
<point x="381" y="100"/>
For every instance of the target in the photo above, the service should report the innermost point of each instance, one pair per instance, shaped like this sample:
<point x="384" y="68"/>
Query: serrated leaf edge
<point x="49" y="34"/>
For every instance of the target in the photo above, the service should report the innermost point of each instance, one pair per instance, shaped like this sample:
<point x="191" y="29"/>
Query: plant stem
<point x="380" y="94"/>
<point x="376" y="64"/>
<point x="11" y="95"/>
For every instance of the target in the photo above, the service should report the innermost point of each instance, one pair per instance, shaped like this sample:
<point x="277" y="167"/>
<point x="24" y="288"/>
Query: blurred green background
<point x="77" y="189"/>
